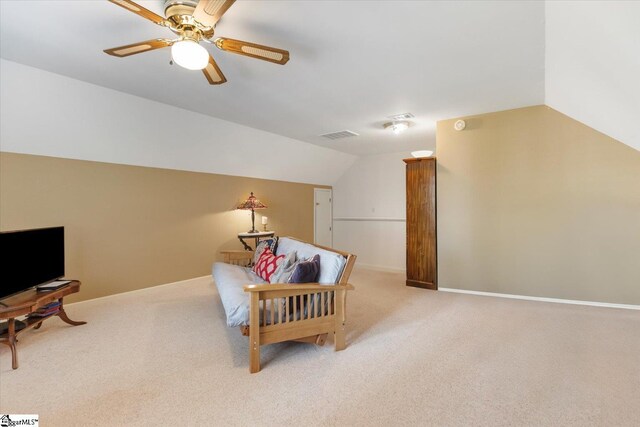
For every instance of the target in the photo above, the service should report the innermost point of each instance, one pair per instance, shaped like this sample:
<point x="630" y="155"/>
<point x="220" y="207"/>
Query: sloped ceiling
<point x="356" y="62"/>
<point x="593" y="65"/>
<point x="352" y="62"/>
<point x="47" y="114"/>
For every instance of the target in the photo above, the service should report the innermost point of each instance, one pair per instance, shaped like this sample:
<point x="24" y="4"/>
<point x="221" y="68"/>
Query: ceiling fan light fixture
<point x="189" y="54"/>
<point x="397" y="127"/>
<point x="194" y="21"/>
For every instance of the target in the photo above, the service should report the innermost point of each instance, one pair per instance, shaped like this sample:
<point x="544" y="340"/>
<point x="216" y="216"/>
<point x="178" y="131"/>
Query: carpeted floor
<point x="164" y="356"/>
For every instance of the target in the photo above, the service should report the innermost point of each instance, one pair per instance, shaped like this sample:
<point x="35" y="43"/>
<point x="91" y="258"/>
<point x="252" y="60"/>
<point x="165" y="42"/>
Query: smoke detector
<point x="460" y="125"/>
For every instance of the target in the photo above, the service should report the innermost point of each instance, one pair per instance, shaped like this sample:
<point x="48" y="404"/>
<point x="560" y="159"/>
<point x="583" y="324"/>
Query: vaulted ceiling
<point x="352" y="62"/>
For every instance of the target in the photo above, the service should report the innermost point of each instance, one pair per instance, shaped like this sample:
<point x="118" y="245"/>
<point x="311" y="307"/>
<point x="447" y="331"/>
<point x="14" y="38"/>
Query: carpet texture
<point x="164" y="356"/>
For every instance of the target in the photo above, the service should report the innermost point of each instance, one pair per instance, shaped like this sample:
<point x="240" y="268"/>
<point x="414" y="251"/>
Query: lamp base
<point x="253" y="223"/>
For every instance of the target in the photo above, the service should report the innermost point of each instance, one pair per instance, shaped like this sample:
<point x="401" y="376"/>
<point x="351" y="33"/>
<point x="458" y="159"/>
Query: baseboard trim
<point x="380" y="268"/>
<point x="543" y="299"/>
<point x="141" y="289"/>
<point x="422" y="285"/>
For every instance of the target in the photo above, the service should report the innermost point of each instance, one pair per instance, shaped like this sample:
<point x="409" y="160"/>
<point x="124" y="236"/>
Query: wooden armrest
<point x="296" y="287"/>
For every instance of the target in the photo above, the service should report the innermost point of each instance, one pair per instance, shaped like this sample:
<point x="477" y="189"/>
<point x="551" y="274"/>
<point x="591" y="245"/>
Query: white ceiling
<point x="592" y="65"/>
<point x="352" y="62"/>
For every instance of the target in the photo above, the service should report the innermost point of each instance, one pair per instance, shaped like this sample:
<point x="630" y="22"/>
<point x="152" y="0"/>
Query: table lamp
<point x="252" y="204"/>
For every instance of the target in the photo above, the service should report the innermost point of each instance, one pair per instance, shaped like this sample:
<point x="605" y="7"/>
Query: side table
<point x="257" y="236"/>
<point x="28" y="302"/>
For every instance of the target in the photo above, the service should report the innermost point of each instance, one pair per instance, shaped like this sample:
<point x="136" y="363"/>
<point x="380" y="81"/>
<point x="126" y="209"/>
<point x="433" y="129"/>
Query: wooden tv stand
<point x="28" y="302"/>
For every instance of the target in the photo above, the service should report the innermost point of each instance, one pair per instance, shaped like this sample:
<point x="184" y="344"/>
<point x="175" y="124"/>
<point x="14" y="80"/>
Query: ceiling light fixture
<point x="397" y="127"/>
<point x="422" y="153"/>
<point x="189" y="54"/>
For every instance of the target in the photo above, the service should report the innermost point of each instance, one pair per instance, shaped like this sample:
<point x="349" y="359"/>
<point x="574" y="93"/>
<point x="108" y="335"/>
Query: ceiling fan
<point x="193" y="22"/>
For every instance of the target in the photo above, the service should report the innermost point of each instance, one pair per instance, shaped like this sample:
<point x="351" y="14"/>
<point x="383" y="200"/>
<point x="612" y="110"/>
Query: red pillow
<point x="267" y="264"/>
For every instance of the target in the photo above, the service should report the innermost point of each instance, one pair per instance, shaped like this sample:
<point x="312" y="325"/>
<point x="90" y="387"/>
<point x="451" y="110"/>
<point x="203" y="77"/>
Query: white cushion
<point x="331" y="263"/>
<point x="230" y="281"/>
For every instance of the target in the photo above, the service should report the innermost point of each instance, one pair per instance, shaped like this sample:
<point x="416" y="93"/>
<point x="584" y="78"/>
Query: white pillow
<point x="285" y="269"/>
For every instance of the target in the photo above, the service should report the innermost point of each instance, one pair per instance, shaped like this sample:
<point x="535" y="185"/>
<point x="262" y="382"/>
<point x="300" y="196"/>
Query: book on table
<point x="46" y="310"/>
<point x="52" y="286"/>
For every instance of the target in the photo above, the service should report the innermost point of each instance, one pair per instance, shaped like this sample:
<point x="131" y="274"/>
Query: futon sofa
<point x="276" y="312"/>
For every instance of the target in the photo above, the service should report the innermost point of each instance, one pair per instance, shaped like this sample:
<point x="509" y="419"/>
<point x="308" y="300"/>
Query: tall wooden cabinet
<point x="422" y="261"/>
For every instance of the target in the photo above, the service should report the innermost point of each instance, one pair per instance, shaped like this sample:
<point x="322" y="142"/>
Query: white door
<point x="323" y="217"/>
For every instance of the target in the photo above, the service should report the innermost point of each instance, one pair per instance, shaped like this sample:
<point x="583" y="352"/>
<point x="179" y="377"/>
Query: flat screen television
<point x="30" y="258"/>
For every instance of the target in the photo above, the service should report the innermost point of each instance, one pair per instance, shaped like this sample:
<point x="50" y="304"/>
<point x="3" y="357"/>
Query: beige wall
<point x="130" y="227"/>
<point x="531" y="202"/>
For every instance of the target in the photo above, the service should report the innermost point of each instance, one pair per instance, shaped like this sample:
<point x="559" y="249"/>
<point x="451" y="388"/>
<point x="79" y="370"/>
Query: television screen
<point x="30" y="258"/>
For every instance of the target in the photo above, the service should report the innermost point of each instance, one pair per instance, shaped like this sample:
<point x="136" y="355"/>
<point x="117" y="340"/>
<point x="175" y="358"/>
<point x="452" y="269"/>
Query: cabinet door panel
<point x="421" y="223"/>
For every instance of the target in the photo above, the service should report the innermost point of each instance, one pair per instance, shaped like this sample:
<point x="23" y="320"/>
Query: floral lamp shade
<point x="252" y="203"/>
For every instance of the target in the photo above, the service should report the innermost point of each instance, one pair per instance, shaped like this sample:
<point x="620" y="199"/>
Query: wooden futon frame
<point x="287" y="311"/>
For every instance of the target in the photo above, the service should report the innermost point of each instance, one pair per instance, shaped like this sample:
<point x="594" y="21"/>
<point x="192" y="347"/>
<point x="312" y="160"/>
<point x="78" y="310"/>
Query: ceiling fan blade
<point x="266" y="53"/>
<point x="139" y="10"/>
<point x="212" y="73"/>
<point x="209" y="12"/>
<point x="132" y="49"/>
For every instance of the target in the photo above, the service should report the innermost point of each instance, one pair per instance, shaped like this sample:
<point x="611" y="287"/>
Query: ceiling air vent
<point x="403" y="116"/>
<point x="339" y="135"/>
